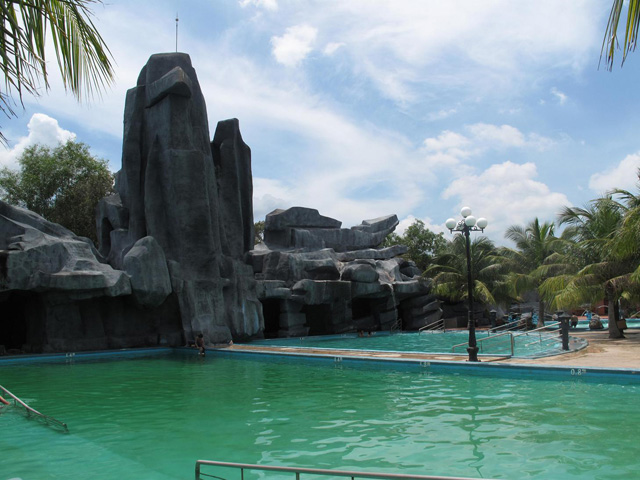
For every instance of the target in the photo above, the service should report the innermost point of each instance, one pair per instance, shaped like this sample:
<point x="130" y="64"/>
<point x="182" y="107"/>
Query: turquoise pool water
<point x="525" y="345"/>
<point x="151" y="418"/>
<point x="631" y="323"/>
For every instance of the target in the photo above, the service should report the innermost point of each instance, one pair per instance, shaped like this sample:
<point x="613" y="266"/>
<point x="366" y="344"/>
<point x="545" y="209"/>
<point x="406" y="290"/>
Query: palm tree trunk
<point x="614" y="314"/>
<point x="540" y="313"/>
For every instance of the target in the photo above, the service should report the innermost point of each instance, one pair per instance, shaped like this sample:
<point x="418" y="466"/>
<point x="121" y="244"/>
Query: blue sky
<point x="366" y="108"/>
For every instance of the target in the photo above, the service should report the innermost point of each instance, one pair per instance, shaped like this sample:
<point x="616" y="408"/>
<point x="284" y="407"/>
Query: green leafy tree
<point x="258" y="229"/>
<point x="83" y="59"/>
<point x="423" y="244"/>
<point x="63" y="184"/>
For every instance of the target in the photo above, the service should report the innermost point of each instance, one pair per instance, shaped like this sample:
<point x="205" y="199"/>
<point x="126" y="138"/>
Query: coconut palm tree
<point x="449" y="272"/>
<point x="610" y="42"/>
<point x="531" y="262"/>
<point x="599" y="272"/>
<point x="82" y="56"/>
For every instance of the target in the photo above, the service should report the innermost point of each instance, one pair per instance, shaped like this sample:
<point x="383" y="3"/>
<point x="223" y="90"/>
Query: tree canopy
<point x="423" y="244"/>
<point x="63" y="184"/>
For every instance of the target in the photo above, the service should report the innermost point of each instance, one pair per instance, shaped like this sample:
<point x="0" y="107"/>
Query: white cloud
<point x="449" y="148"/>
<point x="562" y="97"/>
<point x="43" y="130"/>
<point x="624" y="175"/>
<point x="506" y="194"/>
<point x="497" y="136"/>
<point x="293" y="47"/>
<point x="441" y="114"/>
<point x="428" y="223"/>
<point x="447" y="140"/>
<point x="332" y="47"/>
<point x="407" y="47"/>
<point x="269" y="194"/>
<point x="266" y="4"/>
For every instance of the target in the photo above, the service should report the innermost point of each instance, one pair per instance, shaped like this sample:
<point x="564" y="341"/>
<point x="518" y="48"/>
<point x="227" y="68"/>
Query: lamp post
<point x="466" y="225"/>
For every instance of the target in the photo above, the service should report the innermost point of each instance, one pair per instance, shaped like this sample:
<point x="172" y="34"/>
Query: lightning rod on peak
<point x="177" y="32"/>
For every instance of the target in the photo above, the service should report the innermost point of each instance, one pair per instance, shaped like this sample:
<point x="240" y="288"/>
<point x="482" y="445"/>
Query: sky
<point x="365" y="108"/>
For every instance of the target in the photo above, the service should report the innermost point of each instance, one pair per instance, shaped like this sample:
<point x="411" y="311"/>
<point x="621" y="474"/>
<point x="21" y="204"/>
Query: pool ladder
<point x="397" y="326"/>
<point x="437" y="326"/>
<point x="298" y="472"/>
<point x="33" y="412"/>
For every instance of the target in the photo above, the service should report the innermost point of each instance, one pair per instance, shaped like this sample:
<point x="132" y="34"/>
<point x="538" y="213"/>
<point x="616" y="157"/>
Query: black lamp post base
<point x="473" y="354"/>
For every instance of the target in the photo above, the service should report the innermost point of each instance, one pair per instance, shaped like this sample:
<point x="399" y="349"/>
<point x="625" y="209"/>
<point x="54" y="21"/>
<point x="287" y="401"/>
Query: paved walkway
<point x="601" y="352"/>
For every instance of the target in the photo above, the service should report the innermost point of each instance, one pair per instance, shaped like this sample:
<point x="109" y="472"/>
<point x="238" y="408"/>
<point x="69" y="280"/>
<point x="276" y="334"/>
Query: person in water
<point x="200" y="344"/>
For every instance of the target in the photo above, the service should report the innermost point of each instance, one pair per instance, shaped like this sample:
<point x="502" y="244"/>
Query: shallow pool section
<point x="152" y="418"/>
<point x="525" y="345"/>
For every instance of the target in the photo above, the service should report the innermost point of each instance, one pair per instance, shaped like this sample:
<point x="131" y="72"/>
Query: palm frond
<point x="610" y="41"/>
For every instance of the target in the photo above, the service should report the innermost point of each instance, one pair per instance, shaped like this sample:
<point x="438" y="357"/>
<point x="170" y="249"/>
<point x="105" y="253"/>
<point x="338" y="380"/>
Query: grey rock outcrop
<point x="315" y="277"/>
<point x="58" y="294"/>
<point x="192" y="196"/>
<point x="146" y="266"/>
<point x="37" y="255"/>
<point x="300" y="227"/>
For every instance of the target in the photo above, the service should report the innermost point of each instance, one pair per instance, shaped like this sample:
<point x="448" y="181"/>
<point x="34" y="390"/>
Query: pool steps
<point x="33" y="412"/>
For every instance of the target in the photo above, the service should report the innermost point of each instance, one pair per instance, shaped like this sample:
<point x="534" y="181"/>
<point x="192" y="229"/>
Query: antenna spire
<point x="177" y="32"/>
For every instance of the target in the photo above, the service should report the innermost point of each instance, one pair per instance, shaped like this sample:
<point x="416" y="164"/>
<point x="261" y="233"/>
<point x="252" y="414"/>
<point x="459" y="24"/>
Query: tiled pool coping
<point x="575" y="344"/>
<point x="424" y="363"/>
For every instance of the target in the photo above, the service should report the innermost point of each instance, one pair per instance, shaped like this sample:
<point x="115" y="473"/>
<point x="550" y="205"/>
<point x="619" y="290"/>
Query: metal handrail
<point x="32" y="411"/>
<point x="502" y="328"/>
<point x="317" y="471"/>
<point x="513" y="337"/>
<point x="481" y="340"/>
<point x="437" y="325"/>
<point x="553" y="338"/>
<point x="544" y="327"/>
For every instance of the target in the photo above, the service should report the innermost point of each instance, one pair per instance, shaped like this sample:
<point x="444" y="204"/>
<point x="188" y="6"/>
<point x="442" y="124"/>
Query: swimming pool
<point x="152" y="418"/>
<point x="525" y="344"/>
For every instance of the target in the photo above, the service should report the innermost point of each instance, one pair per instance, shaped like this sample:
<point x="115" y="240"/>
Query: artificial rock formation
<point x="192" y="197"/>
<point x="172" y="239"/>
<point x="57" y="294"/>
<point x="315" y="277"/>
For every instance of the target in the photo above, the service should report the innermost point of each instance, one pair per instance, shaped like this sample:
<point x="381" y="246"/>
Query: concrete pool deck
<point x="601" y="352"/>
